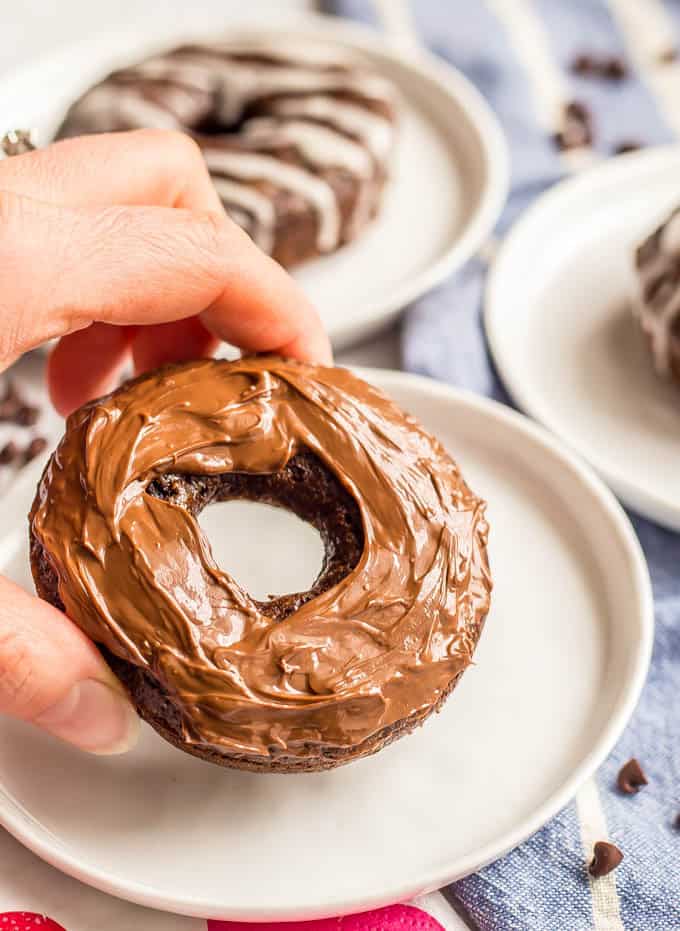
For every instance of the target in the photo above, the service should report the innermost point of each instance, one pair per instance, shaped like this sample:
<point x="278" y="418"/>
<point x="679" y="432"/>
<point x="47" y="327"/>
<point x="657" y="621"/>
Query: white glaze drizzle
<point x="112" y="106"/>
<point x="253" y="166"/>
<point x="242" y="83"/>
<point x="658" y="315"/>
<point x="196" y="74"/>
<point x="257" y="206"/>
<point x="317" y="144"/>
<point x="374" y="131"/>
<point x="298" y="50"/>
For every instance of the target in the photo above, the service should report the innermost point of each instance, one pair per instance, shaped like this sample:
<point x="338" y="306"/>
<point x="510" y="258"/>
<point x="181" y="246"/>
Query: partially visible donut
<point x="306" y="681"/>
<point x="298" y="138"/>
<point x="656" y="303"/>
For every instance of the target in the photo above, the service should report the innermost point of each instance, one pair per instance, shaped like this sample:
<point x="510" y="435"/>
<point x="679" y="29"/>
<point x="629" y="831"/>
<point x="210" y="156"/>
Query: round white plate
<point x="449" y="179"/>
<point x="558" y="671"/>
<point x="563" y="337"/>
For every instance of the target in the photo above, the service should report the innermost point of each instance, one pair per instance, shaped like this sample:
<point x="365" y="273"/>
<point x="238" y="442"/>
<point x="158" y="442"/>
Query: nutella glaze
<point x="136" y="573"/>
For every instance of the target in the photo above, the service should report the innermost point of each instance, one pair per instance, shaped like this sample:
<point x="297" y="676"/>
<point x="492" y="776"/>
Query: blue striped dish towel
<point x="518" y="54"/>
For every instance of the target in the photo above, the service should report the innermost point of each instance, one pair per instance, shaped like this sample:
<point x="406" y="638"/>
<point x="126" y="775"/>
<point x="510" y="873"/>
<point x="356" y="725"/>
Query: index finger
<point x="141" y="167"/>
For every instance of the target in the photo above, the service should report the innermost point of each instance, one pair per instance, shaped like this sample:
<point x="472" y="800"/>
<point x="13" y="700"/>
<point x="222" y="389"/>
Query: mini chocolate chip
<point x="8" y="409"/>
<point x="668" y="56"/>
<point x="10" y="391"/>
<point x="583" y="64"/>
<point x="677" y="821"/>
<point x="10" y="402"/>
<point x="631" y="777"/>
<point x="606" y="857"/>
<point x="629" y="145"/>
<point x="611" y="67"/>
<point x="577" y="110"/>
<point x="615" y="69"/>
<point x="9" y="453"/>
<point x="27" y="415"/>
<point x="34" y="448"/>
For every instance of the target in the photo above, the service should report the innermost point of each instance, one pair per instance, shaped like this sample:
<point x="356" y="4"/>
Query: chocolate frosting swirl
<point x="136" y="572"/>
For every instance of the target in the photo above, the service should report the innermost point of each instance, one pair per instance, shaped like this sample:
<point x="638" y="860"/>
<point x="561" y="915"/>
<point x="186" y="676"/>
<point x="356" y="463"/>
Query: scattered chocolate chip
<point x="27" y="415"/>
<point x="590" y="65"/>
<point x="668" y="56"/>
<point x="615" y="69"/>
<point x="8" y="410"/>
<point x="677" y="821"/>
<point x="9" y="453"/>
<point x="577" y="126"/>
<point x="34" y="448"/>
<point x="10" y="402"/>
<point x="628" y="145"/>
<point x="583" y="64"/>
<point x="606" y="857"/>
<point x="10" y="391"/>
<point x="631" y="777"/>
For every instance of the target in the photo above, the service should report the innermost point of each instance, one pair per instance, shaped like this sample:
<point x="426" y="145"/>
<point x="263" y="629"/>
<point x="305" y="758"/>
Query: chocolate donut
<point x="656" y="304"/>
<point x="297" y="139"/>
<point x="305" y="681"/>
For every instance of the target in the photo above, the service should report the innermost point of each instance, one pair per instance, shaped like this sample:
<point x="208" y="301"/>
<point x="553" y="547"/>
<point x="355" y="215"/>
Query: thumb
<point x="52" y="676"/>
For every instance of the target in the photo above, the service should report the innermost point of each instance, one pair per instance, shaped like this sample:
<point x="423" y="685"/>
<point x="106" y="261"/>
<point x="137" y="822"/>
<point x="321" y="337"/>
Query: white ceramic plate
<point x="449" y="180"/>
<point x="558" y="671"/>
<point x="562" y="335"/>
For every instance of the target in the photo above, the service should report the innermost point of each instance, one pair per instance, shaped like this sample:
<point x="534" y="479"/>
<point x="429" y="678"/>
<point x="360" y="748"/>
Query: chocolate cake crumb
<point x="10" y="402"/>
<point x="628" y="145"/>
<point x="27" y="415"/>
<point x="9" y="453"/>
<point x="631" y="777"/>
<point x="606" y="857"/>
<point x="37" y="445"/>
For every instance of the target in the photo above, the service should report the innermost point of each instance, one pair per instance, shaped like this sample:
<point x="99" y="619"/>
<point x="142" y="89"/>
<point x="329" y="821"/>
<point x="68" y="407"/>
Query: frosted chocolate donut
<point x="297" y="139"/>
<point x="306" y="681"/>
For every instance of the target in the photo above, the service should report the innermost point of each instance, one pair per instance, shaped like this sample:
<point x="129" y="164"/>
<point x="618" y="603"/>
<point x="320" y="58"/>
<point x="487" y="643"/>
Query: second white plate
<point x="562" y="334"/>
<point x="558" y="671"/>
<point x="449" y="179"/>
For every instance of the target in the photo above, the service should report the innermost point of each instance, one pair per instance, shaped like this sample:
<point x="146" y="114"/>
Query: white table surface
<point x="29" y="29"/>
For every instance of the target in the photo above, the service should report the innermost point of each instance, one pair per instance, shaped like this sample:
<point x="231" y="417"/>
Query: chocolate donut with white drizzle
<point x="298" y="142"/>
<point x="657" y="301"/>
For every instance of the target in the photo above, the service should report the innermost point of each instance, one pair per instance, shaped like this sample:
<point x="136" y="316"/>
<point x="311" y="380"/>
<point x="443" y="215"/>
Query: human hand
<point x="118" y="245"/>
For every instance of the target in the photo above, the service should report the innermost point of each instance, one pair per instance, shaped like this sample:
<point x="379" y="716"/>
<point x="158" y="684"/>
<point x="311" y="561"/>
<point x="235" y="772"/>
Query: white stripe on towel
<point x="531" y="45"/>
<point x="593" y="826"/>
<point x="436" y="905"/>
<point x="649" y="33"/>
<point x="397" y="22"/>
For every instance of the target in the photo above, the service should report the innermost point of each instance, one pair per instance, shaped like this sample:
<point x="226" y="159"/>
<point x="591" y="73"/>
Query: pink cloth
<point x="393" y="918"/>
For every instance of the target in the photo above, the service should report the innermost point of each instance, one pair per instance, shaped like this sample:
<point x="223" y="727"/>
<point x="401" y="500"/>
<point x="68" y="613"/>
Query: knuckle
<point x="214" y="240"/>
<point x="18" y="684"/>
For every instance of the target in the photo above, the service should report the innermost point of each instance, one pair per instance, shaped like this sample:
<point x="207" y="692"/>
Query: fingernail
<point x="94" y="717"/>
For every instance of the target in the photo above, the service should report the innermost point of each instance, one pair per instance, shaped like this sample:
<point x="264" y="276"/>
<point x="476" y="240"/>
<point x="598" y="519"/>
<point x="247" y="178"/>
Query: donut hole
<point x="307" y="489"/>
<point x="268" y="549"/>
